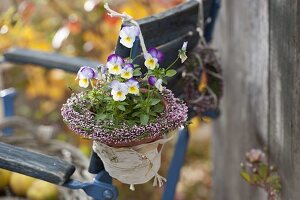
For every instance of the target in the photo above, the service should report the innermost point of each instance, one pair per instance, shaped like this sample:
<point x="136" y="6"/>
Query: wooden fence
<point x="259" y="46"/>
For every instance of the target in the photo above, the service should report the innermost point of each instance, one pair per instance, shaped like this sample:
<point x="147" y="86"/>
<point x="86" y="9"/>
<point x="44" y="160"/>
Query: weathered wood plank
<point x="284" y="134"/>
<point x="241" y="36"/>
<point x="47" y="60"/>
<point x="34" y="164"/>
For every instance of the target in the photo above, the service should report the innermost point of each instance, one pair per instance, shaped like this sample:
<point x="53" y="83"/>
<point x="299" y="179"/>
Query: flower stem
<point x="92" y="84"/>
<point x="130" y="55"/>
<point x="173" y="63"/>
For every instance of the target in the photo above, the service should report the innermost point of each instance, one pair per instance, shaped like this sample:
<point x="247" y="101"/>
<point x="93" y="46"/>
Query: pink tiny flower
<point x="255" y="155"/>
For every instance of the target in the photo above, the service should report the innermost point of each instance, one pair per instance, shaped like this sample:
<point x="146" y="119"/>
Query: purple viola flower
<point x="85" y="74"/>
<point x="156" y="54"/>
<point x="152" y="80"/>
<point x="114" y="64"/>
<point x="128" y="66"/>
<point x="114" y="58"/>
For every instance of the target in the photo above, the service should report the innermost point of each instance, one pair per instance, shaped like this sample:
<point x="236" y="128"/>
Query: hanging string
<point x="200" y="23"/>
<point x="127" y="18"/>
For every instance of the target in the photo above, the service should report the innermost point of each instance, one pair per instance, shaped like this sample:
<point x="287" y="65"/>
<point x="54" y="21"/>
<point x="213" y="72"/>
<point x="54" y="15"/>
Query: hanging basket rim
<point x="83" y="123"/>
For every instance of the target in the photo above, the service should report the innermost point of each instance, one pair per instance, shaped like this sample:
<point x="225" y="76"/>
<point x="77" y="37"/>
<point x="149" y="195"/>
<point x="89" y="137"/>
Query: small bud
<point x="272" y="168"/>
<point x="242" y="165"/>
<point x="254" y="170"/>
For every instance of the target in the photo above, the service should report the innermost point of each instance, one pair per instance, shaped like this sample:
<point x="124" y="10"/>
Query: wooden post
<point x="258" y="42"/>
<point x="284" y="93"/>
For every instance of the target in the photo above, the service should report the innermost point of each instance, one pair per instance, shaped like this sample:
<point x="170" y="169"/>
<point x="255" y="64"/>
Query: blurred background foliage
<point x="82" y="28"/>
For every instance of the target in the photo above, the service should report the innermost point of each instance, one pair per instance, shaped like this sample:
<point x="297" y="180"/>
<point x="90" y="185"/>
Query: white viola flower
<point x="114" y="64"/>
<point x="158" y="85"/>
<point x="184" y="45"/>
<point x="119" y="91"/>
<point x="150" y="61"/>
<point x="133" y="86"/>
<point x="182" y="52"/>
<point x="127" y="71"/>
<point x="128" y="35"/>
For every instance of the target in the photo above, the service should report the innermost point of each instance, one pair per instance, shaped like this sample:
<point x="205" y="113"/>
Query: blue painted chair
<point x="172" y="28"/>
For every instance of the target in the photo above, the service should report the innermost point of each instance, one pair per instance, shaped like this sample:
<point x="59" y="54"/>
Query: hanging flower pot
<point x="128" y="115"/>
<point x="203" y="83"/>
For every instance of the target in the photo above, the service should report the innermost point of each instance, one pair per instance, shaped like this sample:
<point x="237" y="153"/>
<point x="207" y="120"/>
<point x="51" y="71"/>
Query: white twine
<point x="127" y="18"/>
<point x="200" y="22"/>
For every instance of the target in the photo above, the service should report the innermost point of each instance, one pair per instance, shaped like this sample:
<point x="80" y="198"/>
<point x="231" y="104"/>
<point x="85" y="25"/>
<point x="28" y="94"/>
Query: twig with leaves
<point x="257" y="172"/>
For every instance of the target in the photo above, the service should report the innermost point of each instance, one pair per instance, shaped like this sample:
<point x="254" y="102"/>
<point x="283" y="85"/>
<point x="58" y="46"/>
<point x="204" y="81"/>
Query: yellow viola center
<point x="128" y="39"/>
<point x="84" y="80"/>
<point x="132" y="89"/>
<point x="119" y="94"/>
<point x="115" y="67"/>
<point x="151" y="61"/>
<point x="127" y="75"/>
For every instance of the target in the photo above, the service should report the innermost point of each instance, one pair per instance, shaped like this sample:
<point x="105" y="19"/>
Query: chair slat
<point x="47" y="60"/>
<point x="170" y="50"/>
<point x="34" y="164"/>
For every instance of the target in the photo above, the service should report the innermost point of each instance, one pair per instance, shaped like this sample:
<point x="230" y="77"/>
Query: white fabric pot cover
<point x="134" y="165"/>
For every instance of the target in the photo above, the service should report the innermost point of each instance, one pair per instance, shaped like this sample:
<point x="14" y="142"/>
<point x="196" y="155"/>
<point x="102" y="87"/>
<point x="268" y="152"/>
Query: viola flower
<point x="119" y="91"/>
<point x="114" y="64"/>
<point x="152" y="80"/>
<point x="128" y="34"/>
<point x="133" y="86"/>
<point x="127" y="71"/>
<point x="102" y="69"/>
<point x="85" y="74"/>
<point x="156" y="54"/>
<point x="182" y="52"/>
<point x="158" y="85"/>
<point x="150" y="61"/>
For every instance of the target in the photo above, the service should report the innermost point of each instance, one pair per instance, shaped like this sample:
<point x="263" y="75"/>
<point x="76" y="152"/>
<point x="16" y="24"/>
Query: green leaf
<point x="137" y="72"/>
<point x="263" y="171"/>
<point x="137" y="106"/>
<point x="170" y="72"/>
<point x="246" y="176"/>
<point x="164" y="81"/>
<point x="256" y="178"/>
<point x="131" y="123"/>
<point x="158" y="108"/>
<point x="274" y="182"/>
<point x="101" y="116"/>
<point x="154" y="101"/>
<point x="124" y="103"/>
<point x="121" y="107"/>
<point x="144" y="119"/>
<point x="154" y="114"/>
<point x="135" y="114"/>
